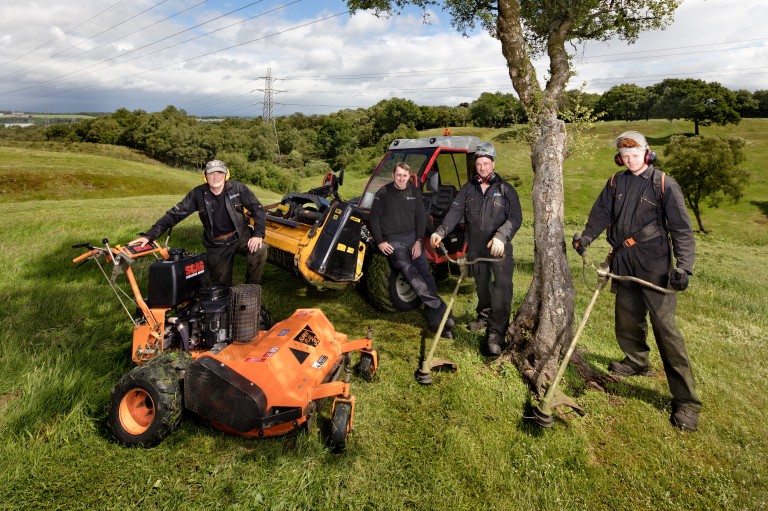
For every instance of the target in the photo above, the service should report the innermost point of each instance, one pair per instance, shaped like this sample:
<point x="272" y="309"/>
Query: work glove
<point x="435" y="239"/>
<point x="497" y="247"/>
<point x="679" y="280"/>
<point x="580" y="243"/>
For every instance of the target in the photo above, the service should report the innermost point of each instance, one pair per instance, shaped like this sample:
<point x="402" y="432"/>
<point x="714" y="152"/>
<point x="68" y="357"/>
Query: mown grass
<point x="461" y="443"/>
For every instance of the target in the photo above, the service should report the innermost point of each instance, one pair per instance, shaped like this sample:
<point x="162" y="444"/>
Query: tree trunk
<point x="543" y="326"/>
<point x="697" y="214"/>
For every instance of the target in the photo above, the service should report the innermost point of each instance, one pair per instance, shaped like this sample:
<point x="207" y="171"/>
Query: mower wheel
<point x="265" y="319"/>
<point x="147" y="402"/>
<point x="340" y="427"/>
<point x="386" y="288"/>
<point x="365" y="368"/>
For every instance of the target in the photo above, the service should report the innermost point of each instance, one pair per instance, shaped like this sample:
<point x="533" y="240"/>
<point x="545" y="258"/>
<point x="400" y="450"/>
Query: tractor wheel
<point x="340" y="426"/>
<point x="365" y="367"/>
<point x="386" y="288"/>
<point x="147" y="402"/>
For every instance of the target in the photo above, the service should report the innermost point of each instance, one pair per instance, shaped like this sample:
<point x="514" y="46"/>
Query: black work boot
<point x="476" y="325"/>
<point x="493" y="344"/>
<point x="685" y="419"/>
<point x="624" y="368"/>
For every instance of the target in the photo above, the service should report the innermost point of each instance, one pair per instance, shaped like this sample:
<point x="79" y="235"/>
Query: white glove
<point x="497" y="247"/>
<point x="435" y="239"/>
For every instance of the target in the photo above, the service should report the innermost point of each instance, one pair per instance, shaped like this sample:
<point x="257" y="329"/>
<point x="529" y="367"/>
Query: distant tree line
<point x="277" y="157"/>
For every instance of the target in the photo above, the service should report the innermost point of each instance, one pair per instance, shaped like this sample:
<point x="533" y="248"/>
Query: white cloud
<point x="51" y="59"/>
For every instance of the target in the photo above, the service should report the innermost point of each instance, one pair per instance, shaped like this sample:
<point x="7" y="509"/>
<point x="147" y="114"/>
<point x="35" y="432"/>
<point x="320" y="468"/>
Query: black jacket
<point x="495" y="213"/>
<point x="629" y="206"/>
<point x="244" y="208"/>
<point x="397" y="212"/>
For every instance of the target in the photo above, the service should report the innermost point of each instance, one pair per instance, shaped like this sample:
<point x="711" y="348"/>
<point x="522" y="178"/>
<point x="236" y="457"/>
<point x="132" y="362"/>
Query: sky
<point x="219" y="57"/>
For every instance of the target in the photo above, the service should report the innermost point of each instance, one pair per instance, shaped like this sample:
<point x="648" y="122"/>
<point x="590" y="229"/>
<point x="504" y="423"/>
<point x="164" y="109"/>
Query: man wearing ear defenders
<point x="233" y="222"/>
<point x="642" y="210"/>
<point x="491" y="211"/>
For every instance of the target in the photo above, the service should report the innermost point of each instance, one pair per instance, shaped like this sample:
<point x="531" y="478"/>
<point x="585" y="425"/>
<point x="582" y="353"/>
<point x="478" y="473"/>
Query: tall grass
<point x="461" y="443"/>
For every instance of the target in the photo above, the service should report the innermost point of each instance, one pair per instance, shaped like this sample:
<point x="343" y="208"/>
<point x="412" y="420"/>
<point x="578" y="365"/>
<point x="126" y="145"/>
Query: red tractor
<point x="326" y="240"/>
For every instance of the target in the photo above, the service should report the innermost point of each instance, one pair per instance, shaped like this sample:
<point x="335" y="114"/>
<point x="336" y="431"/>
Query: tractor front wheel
<point x="147" y="402"/>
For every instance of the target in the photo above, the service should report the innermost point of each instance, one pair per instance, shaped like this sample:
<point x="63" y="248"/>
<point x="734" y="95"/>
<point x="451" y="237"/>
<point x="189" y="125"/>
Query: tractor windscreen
<point x="416" y="160"/>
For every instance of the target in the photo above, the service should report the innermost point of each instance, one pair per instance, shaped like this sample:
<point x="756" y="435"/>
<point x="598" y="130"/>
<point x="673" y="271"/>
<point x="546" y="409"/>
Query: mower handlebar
<point x="126" y="252"/>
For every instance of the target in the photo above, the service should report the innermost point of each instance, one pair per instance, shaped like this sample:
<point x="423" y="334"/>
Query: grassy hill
<point x="459" y="444"/>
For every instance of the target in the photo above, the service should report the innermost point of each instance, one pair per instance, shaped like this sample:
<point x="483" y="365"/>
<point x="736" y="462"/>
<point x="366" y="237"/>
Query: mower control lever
<point x="83" y="245"/>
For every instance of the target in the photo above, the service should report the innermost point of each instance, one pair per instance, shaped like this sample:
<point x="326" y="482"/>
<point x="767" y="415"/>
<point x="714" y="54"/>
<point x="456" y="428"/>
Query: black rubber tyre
<point x="386" y="289"/>
<point x="340" y="426"/>
<point x="365" y="367"/>
<point x="147" y="402"/>
<point x="265" y="319"/>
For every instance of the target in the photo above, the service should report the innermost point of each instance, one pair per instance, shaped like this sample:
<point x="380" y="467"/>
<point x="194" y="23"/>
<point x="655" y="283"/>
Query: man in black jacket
<point x="643" y="209"/>
<point x="398" y="222"/>
<point x="491" y="211"/>
<point x="233" y="221"/>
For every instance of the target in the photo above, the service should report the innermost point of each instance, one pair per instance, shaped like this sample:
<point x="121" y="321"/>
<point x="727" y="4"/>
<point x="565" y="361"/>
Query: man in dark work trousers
<point x="233" y="223"/>
<point x="643" y="210"/>
<point x="398" y="223"/>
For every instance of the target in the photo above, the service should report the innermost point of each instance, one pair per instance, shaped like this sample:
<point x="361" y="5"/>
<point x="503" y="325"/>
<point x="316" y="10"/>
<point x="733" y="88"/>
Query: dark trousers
<point x="222" y="258"/>
<point x="633" y="304"/>
<point x="494" y="291"/>
<point x="417" y="273"/>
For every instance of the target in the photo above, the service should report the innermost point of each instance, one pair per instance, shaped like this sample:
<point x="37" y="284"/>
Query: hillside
<point x="460" y="444"/>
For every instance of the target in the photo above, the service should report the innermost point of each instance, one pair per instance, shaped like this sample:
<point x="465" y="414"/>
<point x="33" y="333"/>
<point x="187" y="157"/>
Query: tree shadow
<point x="761" y="205"/>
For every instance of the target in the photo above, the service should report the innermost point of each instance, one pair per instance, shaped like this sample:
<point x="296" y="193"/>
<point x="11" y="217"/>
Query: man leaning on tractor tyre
<point x="398" y="222"/>
<point x="233" y="222"/>
<point x="491" y="211"/>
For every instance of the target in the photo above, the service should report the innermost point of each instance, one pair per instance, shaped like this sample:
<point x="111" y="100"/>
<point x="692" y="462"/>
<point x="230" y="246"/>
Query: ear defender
<point x="650" y="158"/>
<point x="205" y="179"/>
<point x="487" y="180"/>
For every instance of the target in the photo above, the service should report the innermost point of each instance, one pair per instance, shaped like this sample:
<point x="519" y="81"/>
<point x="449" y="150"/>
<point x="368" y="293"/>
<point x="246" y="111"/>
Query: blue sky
<point x="212" y="57"/>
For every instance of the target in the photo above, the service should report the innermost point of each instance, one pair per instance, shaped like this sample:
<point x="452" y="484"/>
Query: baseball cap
<point x="215" y="166"/>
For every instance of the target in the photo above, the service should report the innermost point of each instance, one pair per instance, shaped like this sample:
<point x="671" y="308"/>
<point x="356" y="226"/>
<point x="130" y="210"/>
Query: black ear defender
<point x="487" y="180"/>
<point x="650" y="158"/>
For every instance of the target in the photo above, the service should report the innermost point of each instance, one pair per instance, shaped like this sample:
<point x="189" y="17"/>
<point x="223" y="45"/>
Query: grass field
<point x="460" y="444"/>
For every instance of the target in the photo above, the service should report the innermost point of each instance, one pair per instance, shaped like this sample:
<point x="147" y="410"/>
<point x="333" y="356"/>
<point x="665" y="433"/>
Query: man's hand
<point x="416" y="250"/>
<point x="435" y="239"/>
<point x="580" y="243"/>
<point x="679" y="280"/>
<point x="254" y="244"/>
<point x="386" y="248"/>
<point x="139" y="241"/>
<point x="497" y="247"/>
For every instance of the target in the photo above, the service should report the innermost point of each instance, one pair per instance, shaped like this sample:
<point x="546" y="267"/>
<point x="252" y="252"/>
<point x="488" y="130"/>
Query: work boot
<point x="623" y="368"/>
<point x="685" y="418"/>
<point x="493" y="344"/>
<point x="478" y="324"/>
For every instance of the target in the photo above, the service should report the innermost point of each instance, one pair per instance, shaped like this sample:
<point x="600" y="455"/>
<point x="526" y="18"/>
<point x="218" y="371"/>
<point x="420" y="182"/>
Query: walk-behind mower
<point x="201" y="348"/>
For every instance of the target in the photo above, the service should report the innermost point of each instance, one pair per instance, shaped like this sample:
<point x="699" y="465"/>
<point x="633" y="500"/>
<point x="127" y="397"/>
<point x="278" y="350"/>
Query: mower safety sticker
<point x="266" y="355"/>
<point x="194" y="269"/>
<point x="307" y="336"/>
<point x="320" y="362"/>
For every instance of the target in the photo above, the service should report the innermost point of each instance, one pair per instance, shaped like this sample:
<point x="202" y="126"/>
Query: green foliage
<point x="695" y="100"/>
<point x="626" y="102"/>
<point x="707" y="169"/>
<point x="496" y="110"/>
